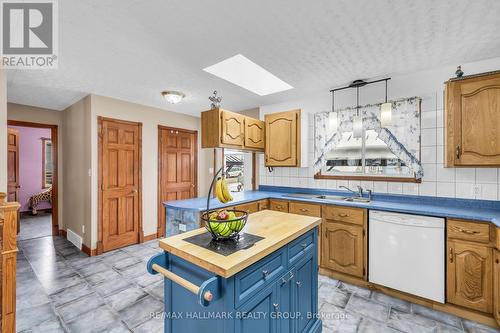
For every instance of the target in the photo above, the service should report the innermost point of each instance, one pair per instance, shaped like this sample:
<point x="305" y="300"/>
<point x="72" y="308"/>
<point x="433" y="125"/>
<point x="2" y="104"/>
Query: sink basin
<point x="329" y="197"/>
<point x="357" y="199"/>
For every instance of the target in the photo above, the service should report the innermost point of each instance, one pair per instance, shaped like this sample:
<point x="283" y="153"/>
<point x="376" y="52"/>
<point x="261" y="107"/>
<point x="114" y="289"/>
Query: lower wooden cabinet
<point x="496" y="286"/>
<point x="251" y="207"/>
<point x="278" y="205"/>
<point x="343" y="248"/>
<point x="470" y="275"/>
<point x="264" y="204"/>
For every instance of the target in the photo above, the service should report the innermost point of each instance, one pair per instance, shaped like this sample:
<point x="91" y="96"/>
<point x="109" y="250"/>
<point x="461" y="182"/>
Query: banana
<point x="219" y="192"/>
<point x="225" y="190"/>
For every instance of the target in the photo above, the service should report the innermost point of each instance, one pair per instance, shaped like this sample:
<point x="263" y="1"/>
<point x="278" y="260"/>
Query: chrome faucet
<point x="359" y="193"/>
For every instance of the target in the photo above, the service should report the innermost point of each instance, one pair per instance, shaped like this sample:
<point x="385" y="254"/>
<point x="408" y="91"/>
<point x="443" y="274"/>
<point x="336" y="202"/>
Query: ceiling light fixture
<point x="385" y="111"/>
<point x="173" y="97"/>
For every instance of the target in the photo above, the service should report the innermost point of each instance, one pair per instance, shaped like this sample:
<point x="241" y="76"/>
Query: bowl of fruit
<point x="224" y="223"/>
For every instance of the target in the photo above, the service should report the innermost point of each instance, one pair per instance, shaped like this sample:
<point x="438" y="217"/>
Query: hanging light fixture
<point x="173" y="97"/>
<point x="333" y="119"/>
<point x="357" y="122"/>
<point x="385" y="111"/>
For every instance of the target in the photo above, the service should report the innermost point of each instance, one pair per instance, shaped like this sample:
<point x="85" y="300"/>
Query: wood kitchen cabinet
<point x="254" y="133"/>
<point x="496" y="286"/>
<point x="472" y="121"/>
<point x="470" y="276"/>
<point x="282" y="139"/>
<point x="225" y="129"/>
<point x="343" y="241"/>
<point x="279" y="205"/>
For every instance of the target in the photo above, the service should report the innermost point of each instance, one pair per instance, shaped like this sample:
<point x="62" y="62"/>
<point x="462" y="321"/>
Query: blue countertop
<point x="478" y="210"/>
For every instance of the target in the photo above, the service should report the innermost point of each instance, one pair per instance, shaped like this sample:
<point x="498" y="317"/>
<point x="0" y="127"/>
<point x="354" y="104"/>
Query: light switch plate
<point x="182" y="227"/>
<point x="476" y="190"/>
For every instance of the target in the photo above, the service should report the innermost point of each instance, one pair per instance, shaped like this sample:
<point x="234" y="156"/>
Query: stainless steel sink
<point x="328" y="197"/>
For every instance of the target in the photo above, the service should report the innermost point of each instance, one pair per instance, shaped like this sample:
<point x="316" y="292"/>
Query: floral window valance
<point x="402" y="137"/>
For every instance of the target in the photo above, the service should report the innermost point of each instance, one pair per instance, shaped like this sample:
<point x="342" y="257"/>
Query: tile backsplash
<point x="467" y="183"/>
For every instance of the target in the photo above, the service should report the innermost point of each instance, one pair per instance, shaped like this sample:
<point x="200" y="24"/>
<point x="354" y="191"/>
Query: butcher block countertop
<point x="277" y="228"/>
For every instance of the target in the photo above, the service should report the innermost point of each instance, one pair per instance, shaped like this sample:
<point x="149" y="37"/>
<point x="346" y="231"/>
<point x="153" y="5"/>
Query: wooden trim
<point x="448" y="308"/>
<point x="100" y="119"/>
<point x="254" y="171"/>
<point x="369" y="178"/>
<point x="63" y="233"/>
<point x="44" y="186"/>
<point x="54" y="130"/>
<point x="148" y="238"/>
<point x="88" y="251"/>
<point x="160" y="228"/>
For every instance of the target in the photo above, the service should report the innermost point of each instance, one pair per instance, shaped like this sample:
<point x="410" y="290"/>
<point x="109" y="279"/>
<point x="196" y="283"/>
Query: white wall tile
<point x="395" y="188"/>
<point x="445" y="174"/>
<point x="429" y="172"/>
<point x="428" y="154"/>
<point x="488" y="191"/>
<point x="428" y="136"/>
<point x="380" y="187"/>
<point x="464" y="190"/>
<point x="427" y="188"/>
<point x="428" y="119"/>
<point x="439" y="154"/>
<point x="439" y="136"/>
<point x="445" y="189"/>
<point x="465" y="175"/>
<point x="367" y="185"/>
<point x="486" y="175"/>
<point x="410" y="189"/>
<point x="331" y="184"/>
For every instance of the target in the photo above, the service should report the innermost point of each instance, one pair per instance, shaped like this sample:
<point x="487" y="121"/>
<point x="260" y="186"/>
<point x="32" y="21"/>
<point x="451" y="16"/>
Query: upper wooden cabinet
<point x="225" y="129"/>
<point x="254" y="133"/>
<point x="283" y="139"/>
<point x="472" y="116"/>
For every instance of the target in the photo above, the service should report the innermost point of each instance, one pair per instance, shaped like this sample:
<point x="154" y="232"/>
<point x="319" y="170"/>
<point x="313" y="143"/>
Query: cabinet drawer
<point x="299" y="247"/>
<point x="279" y="205"/>
<point x="344" y="214"/>
<point x="263" y="204"/>
<point x="471" y="231"/>
<point x="251" y="207"/>
<point x="257" y="276"/>
<point x="304" y="209"/>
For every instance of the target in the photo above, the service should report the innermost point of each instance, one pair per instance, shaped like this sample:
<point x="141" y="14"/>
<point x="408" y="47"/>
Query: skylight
<point x="245" y="73"/>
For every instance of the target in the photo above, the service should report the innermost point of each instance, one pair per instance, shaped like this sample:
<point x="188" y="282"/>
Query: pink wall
<point x="30" y="164"/>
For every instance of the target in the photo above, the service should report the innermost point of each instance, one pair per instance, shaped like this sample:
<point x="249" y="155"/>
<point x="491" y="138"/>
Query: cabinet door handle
<point x="304" y="210"/>
<point x="451" y="254"/>
<point x="304" y="245"/>
<point x="299" y="284"/>
<point x="458" y="151"/>
<point x="276" y="306"/>
<point x="343" y="215"/>
<point x="265" y="273"/>
<point x="468" y="232"/>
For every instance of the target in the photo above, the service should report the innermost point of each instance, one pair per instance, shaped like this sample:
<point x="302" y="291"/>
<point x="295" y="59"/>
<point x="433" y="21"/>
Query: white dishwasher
<point x="406" y="253"/>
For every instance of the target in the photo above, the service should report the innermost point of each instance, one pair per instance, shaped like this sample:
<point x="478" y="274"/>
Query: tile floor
<point x="62" y="290"/>
<point x="35" y="226"/>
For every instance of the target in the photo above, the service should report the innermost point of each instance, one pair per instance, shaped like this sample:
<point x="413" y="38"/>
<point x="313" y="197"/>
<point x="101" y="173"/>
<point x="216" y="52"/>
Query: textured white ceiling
<point x="132" y="49"/>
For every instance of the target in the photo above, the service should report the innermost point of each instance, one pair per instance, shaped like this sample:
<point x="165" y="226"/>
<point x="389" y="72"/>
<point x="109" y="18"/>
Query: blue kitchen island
<point x="270" y="285"/>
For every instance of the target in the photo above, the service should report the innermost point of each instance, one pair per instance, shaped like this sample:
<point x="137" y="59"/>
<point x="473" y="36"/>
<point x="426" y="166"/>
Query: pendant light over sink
<point x="385" y="111"/>
<point x="173" y="97"/>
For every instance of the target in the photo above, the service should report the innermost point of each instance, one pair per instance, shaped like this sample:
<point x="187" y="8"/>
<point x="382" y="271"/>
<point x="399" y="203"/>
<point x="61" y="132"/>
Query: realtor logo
<point x="29" y="34"/>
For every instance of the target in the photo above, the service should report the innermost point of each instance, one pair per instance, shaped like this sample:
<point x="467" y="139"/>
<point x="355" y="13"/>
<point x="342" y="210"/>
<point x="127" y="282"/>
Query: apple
<point x="222" y="215"/>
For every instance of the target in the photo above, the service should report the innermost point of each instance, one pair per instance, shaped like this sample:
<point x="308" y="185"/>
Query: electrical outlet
<point x="83" y="229"/>
<point x="476" y="190"/>
<point x="182" y="227"/>
<point x="90" y="172"/>
<point x="210" y="170"/>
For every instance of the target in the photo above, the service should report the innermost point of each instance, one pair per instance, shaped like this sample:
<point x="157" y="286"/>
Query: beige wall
<point x="50" y="117"/>
<point x="3" y="131"/>
<point x="150" y="118"/>
<point x="76" y="138"/>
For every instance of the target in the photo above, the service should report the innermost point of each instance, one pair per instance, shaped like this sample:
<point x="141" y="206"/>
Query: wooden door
<point x="120" y="182"/>
<point x="177" y="167"/>
<point x="254" y="133"/>
<point x="496" y="287"/>
<point x="473" y="121"/>
<point x="232" y="128"/>
<point x="282" y="138"/>
<point x="470" y="275"/>
<point x="12" y="165"/>
<point x="343" y="248"/>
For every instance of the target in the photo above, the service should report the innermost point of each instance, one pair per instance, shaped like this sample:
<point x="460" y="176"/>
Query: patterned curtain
<point x="402" y="136"/>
